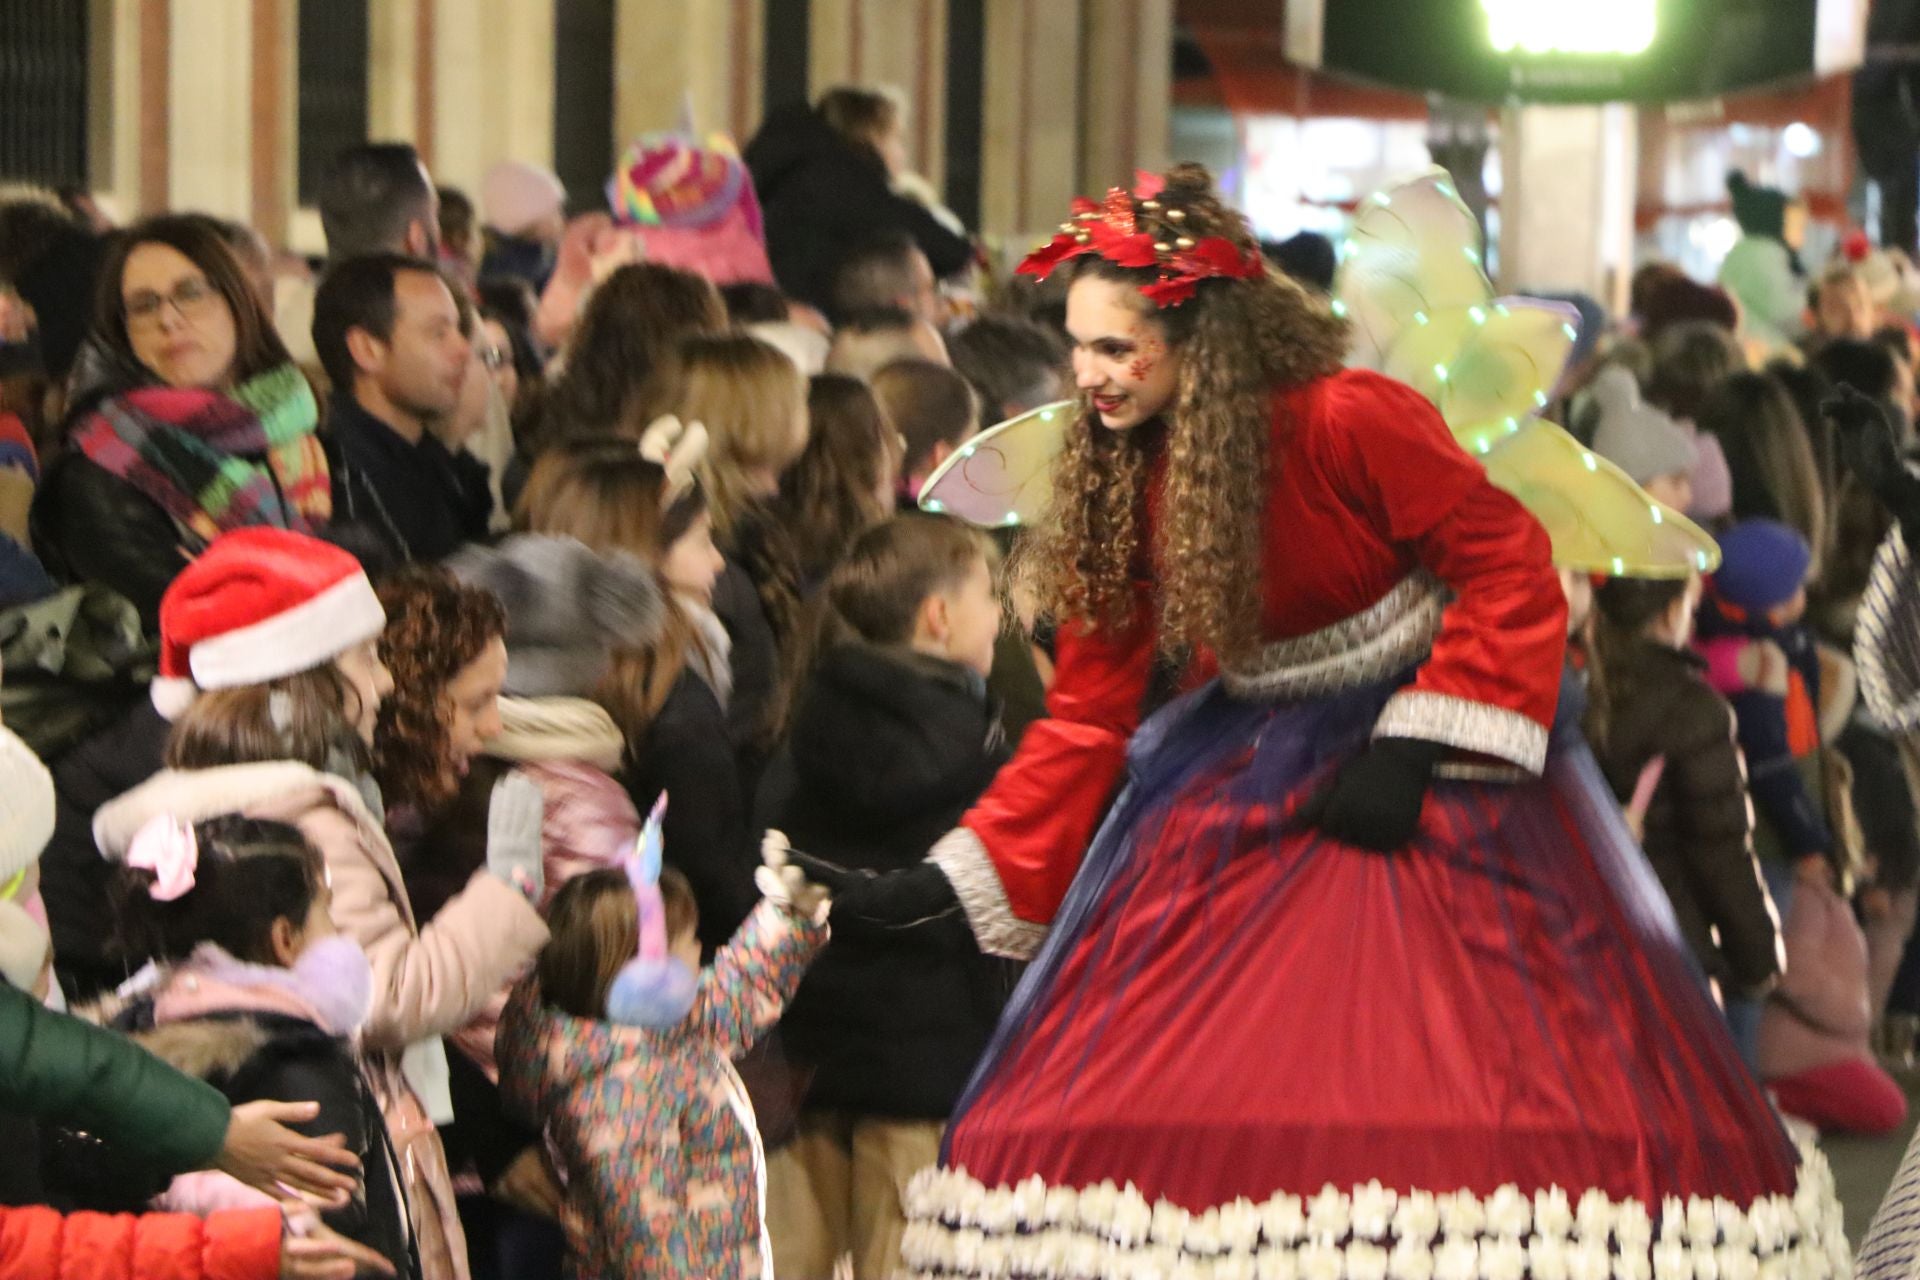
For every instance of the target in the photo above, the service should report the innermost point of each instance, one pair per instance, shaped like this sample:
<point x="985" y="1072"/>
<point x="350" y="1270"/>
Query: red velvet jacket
<point x="1385" y="544"/>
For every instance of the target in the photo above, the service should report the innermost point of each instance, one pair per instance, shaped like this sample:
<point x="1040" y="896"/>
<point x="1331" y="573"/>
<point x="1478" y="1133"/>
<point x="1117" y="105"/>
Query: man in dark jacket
<point x="387" y="330"/>
<point x="895" y="736"/>
<point x="826" y="192"/>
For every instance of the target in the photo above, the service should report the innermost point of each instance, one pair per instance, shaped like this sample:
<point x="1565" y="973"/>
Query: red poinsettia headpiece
<point x="1112" y="228"/>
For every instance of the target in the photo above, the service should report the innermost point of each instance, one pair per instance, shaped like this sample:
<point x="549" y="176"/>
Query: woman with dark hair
<point x="843" y="482"/>
<point x="201" y="425"/>
<point x="1770" y="456"/>
<point x="628" y="327"/>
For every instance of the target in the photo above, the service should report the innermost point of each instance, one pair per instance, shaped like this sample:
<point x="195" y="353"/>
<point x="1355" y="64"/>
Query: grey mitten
<point x="514" y="817"/>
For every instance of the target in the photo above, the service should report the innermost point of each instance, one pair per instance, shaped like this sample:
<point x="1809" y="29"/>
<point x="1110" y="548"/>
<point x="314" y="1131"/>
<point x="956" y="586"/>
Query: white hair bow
<point x="678" y="450"/>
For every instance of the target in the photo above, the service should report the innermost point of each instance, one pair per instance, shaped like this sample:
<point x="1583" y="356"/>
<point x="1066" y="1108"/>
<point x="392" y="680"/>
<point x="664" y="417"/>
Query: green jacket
<point x="60" y="1070"/>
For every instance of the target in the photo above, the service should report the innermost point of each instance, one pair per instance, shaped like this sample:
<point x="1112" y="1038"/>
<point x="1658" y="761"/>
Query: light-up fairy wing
<point x="1600" y="521"/>
<point x="1423" y="311"/>
<point x="1003" y="476"/>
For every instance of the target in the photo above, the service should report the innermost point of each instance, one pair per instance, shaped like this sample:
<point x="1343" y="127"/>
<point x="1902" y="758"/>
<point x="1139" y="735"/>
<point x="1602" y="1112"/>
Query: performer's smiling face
<point x="1121" y="357"/>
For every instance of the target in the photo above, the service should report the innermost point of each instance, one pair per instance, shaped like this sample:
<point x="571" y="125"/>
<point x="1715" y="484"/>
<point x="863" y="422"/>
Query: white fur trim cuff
<point x="306" y="636"/>
<point x="1464" y="724"/>
<point x="957" y="1227"/>
<point x="964" y="861"/>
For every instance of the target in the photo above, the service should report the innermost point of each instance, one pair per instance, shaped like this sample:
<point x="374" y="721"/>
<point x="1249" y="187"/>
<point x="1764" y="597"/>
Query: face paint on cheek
<point x="1150" y="350"/>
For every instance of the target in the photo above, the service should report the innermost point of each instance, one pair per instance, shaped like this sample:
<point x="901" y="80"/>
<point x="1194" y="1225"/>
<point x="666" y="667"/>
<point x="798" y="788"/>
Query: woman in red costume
<point x="1361" y="974"/>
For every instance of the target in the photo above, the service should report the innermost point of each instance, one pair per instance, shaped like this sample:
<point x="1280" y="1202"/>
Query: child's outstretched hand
<point x="783" y="882"/>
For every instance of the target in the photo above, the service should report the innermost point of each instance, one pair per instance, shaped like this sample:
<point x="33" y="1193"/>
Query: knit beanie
<point x="1763" y="563"/>
<point x="514" y="195"/>
<point x="1712" y="478"/>
<point x="1760" y="211"/>
<point x="1675" y="299"/>
<point x="567" y="609"/>
<point x="257" y="605"/>
<point x="26" y="824"/>
<point x="1638" y="438"/>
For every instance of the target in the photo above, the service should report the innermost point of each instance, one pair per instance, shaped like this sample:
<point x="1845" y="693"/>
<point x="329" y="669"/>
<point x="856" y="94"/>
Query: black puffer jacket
<point x="75" y="881"/>
<point x="707" y="833"/>
<point x="254" y="1055"/>
<point x="1698" y="824"/>
<point x="888" y="750"/>
<point x="824" y="197"/>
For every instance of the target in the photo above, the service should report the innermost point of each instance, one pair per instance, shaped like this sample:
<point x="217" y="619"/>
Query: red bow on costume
<point x="1112" y="230"/>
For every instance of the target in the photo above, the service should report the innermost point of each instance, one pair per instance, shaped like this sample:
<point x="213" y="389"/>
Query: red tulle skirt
<point x="1231" y="1005"/>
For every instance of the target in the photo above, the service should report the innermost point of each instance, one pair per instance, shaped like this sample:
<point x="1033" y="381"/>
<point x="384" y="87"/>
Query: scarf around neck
<point x="217" y="462"/>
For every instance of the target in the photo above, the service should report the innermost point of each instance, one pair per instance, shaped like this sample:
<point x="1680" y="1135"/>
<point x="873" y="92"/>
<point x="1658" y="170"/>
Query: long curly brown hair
<point x="1239" y="342"/>
<point x="436" y="625"/>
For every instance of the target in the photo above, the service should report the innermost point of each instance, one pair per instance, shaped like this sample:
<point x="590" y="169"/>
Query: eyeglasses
<point x="187" y="298"/>
<point x="493" y="357"/>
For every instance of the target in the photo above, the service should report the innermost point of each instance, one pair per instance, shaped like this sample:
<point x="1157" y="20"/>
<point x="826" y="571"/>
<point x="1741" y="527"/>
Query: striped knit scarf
<point x="217" y="462"/>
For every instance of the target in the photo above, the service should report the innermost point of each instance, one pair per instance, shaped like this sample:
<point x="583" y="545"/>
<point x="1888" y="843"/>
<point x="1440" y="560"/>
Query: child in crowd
<point x="626" y="1059"/>
<point x="1761" y="657"/>
<point x="666" y="689"/>
<point x="258" y="994"/>
<point x="894" y="736"/>
<point x="934" y="410"/>
<point x="753" y="404"/>
<point x="1653" y="449"/>
<point x="1650" y="707"/>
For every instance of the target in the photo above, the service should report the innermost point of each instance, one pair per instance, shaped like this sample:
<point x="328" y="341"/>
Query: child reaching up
<point x="626" y="1059"/>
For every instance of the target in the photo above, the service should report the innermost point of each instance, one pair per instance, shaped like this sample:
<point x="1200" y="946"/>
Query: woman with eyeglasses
<point x="199" y="422"/>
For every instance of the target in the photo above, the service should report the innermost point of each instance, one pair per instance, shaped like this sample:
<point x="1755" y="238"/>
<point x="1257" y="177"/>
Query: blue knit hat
<point x="1762" y="564"/>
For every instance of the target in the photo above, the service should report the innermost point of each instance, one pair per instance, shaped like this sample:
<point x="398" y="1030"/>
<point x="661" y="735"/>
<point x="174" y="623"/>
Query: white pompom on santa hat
<point x="256" y="605"/>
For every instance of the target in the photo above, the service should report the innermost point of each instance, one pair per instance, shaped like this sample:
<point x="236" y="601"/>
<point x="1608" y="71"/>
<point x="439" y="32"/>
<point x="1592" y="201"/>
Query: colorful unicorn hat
<point x="653" y="989"/>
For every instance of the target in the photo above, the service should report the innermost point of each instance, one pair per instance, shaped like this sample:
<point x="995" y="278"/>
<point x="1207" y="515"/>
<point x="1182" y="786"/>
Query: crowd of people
<point x="365" y="622"/>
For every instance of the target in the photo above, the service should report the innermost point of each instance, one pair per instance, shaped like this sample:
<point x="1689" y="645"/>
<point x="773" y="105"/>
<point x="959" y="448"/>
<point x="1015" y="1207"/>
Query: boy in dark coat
<point x="894" y="736"/>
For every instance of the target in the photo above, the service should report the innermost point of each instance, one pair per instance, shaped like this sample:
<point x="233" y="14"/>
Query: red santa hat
<point x="259" y="604"/>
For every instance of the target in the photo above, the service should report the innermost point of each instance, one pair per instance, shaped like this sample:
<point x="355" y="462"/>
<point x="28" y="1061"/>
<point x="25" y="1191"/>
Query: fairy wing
<point x="1003" y="476"/>
<point x="1411" y="251"/>
<point x="1599" y="520"/>
<point x="1487" y="367"/>
<point x="1423" y="311"/>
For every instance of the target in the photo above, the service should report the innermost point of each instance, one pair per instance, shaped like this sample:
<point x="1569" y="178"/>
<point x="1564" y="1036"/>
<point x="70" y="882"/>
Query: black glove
<point x="1869" y="445"/>
<point x="1373" y="801"/>
<point x="883" y="900"/>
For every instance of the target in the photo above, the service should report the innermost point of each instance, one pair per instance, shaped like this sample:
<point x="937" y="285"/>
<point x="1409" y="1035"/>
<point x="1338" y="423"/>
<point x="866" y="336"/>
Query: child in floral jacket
<point x="636" y="1088"/>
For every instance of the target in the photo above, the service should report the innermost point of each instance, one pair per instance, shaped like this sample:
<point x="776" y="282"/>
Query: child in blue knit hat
<point x="1761" y="657"/>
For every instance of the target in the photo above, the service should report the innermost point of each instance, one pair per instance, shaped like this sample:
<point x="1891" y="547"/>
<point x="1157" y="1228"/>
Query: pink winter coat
<point x="426" y="982"/>
<point x="589" y="824"/>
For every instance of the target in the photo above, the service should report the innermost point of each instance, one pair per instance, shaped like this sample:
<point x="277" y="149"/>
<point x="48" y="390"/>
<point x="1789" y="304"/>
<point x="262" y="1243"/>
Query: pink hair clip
<point x="165" y="846"/>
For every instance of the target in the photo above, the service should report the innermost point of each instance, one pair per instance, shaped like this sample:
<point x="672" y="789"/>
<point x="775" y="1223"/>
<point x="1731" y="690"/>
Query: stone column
<point x="1126" y="71"/>
<point x="892" y="44"/>
<point x="671" y="53"/>
<point x="1566" y="211"/>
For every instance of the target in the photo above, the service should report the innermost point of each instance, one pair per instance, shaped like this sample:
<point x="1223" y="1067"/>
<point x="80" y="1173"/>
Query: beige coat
<point x="426" y="982"/>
